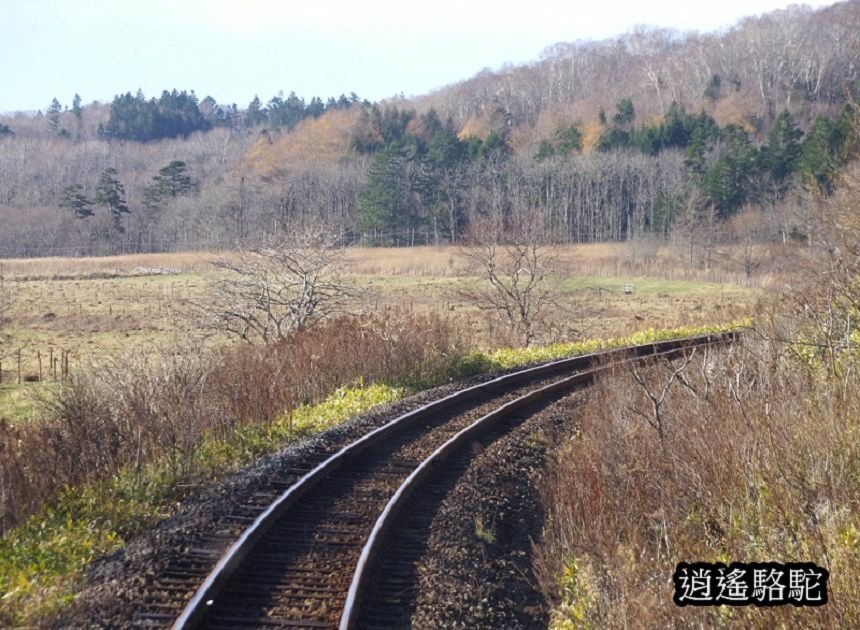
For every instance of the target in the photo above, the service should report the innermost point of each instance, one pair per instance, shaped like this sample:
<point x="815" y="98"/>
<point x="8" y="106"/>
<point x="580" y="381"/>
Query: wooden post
<point x="52" y="367"/>
<point x="39" y="359"/>
<point x="19" y="366"/>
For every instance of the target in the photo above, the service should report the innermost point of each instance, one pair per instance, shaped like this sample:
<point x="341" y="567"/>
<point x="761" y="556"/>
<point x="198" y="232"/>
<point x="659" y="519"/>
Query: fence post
<point x="19" y="366"/>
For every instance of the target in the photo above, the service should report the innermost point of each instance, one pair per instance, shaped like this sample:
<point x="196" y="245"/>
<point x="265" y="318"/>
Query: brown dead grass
<point x="94" y="308"/>
<point x="105" y="266"/>
<point x="601" y="259"/>
<point x="147" y="405"/>
<point x="756" y="459"/>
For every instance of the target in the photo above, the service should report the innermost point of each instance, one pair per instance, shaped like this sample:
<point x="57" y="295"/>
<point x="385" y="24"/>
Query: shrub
<point x="145" y="406"/>
<point x="757" y="461"/>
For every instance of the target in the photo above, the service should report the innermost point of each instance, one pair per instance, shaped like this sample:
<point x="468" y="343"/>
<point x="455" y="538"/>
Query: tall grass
<point x="752" y="455"/>
<point x="142" y="407"/>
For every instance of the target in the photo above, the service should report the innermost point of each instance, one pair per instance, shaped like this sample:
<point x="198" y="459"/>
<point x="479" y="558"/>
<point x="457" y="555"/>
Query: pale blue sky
<point x="234" y="49"/>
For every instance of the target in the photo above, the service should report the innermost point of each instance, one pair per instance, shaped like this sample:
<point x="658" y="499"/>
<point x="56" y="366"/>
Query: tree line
<point x="410" y="178"/>
<point x="147" y="174"/>
<point x="177" y="114"/>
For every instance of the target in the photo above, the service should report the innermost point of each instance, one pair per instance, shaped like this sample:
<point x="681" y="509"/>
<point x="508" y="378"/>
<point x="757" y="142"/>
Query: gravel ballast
<point x="477" y="569"/>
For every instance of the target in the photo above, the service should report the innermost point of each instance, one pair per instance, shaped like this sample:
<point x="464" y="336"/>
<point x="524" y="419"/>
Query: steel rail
<point x="205" y="595"/>
<point x="409" y="485"/>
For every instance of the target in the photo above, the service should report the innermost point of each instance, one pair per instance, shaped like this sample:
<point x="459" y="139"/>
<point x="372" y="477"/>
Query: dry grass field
<point x="148" y="412"/>
<point x="89" y="309"/>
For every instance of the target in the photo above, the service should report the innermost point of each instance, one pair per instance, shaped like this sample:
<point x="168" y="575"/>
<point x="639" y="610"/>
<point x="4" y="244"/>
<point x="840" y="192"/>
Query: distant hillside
<point x="799" y="59"/>
<point x="648" y="135"/>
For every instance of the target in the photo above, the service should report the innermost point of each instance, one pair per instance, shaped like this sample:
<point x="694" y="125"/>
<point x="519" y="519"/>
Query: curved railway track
<point x="310" y="557"/>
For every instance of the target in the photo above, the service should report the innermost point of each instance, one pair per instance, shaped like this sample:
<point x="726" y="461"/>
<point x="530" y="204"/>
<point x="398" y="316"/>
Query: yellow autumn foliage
<point x="475" y="128"/>
<point x="320" y="140"/>
<point x="731" y="110"/>
<point x="591" y="131"/>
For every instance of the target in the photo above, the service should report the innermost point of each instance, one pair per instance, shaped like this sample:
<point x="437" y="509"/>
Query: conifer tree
<point x="54" y="116"/>
<point x="782" y="149"/>
<point x="727" y="182"/>
<point x="110" y="193"/>
<point x="77" y="109"/>
<point x="172" y="181"/>
<point x="75" y="201"/>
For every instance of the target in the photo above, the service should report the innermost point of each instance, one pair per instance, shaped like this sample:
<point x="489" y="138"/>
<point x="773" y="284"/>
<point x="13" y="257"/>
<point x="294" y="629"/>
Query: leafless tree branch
<point x="267" y="292"/>
<point x="513" y="265"/>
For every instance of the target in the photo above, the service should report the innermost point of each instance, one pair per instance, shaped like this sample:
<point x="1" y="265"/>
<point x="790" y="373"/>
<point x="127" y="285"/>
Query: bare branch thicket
<point x="695" y="231"/>
<point x="657" y="395"/>
<point x="5" y="306"/>
<point x="267" y="292"/>
<point x="5" y="298"/>
<point x="748" y="232"/>
<point x="827" y="298"/>
<point x="513" y="264"/>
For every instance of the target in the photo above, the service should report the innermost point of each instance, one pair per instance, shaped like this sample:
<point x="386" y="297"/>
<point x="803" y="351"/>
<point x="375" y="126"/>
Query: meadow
<point x="85" y="310"/>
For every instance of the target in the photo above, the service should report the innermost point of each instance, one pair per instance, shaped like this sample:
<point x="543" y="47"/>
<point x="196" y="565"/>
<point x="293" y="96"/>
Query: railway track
<point x="311" y="557"/>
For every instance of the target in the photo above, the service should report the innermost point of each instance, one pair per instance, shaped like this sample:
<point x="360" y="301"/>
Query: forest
<point x="653" y="135"/>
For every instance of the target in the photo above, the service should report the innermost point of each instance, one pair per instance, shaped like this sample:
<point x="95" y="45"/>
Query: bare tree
<point x="267" y="292"/>
<point x="513" y="265"/>
<point x="697" y="227"/>
<point x="657" y="418"/>
<point x="5" y="306"/>
<point x="5" y="300"/>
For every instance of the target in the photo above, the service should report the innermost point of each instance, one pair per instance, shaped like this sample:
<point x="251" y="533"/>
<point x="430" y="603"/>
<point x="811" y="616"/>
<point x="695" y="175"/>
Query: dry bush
<point x="123" y="413"/>
<point x="282" y="287"/>
<point x="758" y="460"/>
<point x="310" y="364"/>
<point x="512" y="261"/>
<point x="144" y="407"/>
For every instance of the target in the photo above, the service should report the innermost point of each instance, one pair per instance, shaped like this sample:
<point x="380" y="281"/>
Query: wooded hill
<point x="650" y="134"/>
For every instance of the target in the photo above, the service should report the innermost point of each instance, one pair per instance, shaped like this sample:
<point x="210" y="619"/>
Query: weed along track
<point x="311" y="547"/>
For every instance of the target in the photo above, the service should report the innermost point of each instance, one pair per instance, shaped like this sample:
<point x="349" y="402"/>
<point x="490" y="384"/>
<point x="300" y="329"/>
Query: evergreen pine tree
<point x="77" y="109"/>
<point x="727" y="182"/>
<point x="254" y="115"/>
<point x="110" y="193"/>
<point x="545" y="151"/>
<point x="782" y="148"/>
<point x="385" y="201"/>
<point x="74" y="200"/>
<point x="819" y="154"/>
<point x="53" y="115"/>
<point x="172" y="181"/>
